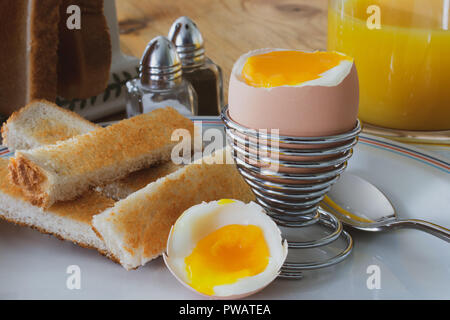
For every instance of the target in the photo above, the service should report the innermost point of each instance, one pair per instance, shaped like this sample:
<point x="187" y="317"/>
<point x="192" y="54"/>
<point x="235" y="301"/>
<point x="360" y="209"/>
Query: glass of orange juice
<point x="402" y="53"/>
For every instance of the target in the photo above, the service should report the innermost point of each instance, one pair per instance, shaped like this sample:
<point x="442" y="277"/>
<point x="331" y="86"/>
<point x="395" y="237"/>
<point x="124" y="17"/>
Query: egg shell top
<point x="302" y="111"/>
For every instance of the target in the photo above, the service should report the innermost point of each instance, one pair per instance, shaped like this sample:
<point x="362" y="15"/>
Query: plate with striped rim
<point x="409" y="264"/>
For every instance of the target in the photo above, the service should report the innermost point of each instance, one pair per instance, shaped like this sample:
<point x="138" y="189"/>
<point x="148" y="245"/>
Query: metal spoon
<point x="359" y="204"/>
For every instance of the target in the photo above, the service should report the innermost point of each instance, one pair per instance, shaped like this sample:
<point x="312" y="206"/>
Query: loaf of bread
<point x="28" y="52"/>
<point x="84" y="55"/>
<point x="135" y="230"/>
<point x="67" y="169"/>
<point x="41" y="58"/>
<point x="69" y="220"/>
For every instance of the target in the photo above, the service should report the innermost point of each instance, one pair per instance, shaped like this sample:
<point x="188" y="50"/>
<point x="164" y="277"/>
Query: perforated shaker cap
<point x="188" y="41"/>
<point x="160" y="61"/>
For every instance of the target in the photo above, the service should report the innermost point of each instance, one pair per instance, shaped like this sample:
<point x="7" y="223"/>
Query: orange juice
<point x="402" y="53"/>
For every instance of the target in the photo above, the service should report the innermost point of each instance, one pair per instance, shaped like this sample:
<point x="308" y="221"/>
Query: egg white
<point x="330" y="78"/>
<point x="201" y="220"/>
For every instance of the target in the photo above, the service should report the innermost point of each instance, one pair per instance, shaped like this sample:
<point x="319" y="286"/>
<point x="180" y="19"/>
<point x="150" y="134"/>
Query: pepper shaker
<point x="204" y="75"/>
<point x="160" y="83"/>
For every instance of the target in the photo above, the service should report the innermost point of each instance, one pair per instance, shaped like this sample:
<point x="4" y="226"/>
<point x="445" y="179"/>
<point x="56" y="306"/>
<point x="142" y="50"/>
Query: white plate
<point x="412" y="264"/>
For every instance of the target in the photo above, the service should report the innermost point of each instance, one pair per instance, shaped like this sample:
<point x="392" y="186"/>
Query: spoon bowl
<point x="361" y="205"/>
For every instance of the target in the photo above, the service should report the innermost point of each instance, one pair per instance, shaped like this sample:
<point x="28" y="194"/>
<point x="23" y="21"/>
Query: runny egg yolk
<point x="227" y="255"/>
<point x="225" y="201"/>
<point x="288" y="68"/>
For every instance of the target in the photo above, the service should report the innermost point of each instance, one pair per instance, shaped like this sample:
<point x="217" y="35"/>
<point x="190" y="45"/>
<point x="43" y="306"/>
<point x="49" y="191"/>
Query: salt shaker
<point x="204" y="75"/>
<point x="160" y="83"/>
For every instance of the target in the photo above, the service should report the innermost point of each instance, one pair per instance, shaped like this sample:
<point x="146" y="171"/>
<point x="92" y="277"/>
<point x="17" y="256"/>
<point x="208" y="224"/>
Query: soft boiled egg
<point x="225" y="249"/>
<point x="298" y="93"/>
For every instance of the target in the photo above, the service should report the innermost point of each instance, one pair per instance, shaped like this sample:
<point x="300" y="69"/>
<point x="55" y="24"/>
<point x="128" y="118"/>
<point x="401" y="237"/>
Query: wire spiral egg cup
<point x="305" y="169"/>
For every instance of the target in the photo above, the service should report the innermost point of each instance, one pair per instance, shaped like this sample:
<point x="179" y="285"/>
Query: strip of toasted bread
<point x="84" y="55"/>
<point x="137" y="180"/>
<point x="135" y="230"/>
<point x="40" y="123"/>
<point x="66" y="220"/>
<point x="67" y="169"/>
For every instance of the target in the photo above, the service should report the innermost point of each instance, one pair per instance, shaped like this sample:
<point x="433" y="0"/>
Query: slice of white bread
<point x="135" y="230"/>
<point x="28" y="52"/>
<point x="40" y="123"/>
<point x="66" y="220"/>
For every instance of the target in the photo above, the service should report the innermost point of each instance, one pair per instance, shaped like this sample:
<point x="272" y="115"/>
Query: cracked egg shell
<point x="194" y="229"/>
<point x="325" y="106"/>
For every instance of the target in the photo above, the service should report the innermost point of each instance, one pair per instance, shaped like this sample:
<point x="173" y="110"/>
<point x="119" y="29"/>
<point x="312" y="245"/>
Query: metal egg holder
<point x="292" y="198"/>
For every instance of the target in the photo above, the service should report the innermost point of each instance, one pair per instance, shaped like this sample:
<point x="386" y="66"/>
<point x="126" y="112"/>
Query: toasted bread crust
<point x="84" y="55"/>
<point x="12" y="26"/>
<point x="44" y="50"/>
<point x="13" y="81"/>
<point x="34" y="75"/>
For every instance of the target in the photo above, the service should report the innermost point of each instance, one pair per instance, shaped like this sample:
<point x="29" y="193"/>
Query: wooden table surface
<point x="229" y="27"/>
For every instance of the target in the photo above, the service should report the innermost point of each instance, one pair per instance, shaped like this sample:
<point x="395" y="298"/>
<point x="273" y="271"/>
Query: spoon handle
<point x="426" y="226"/>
